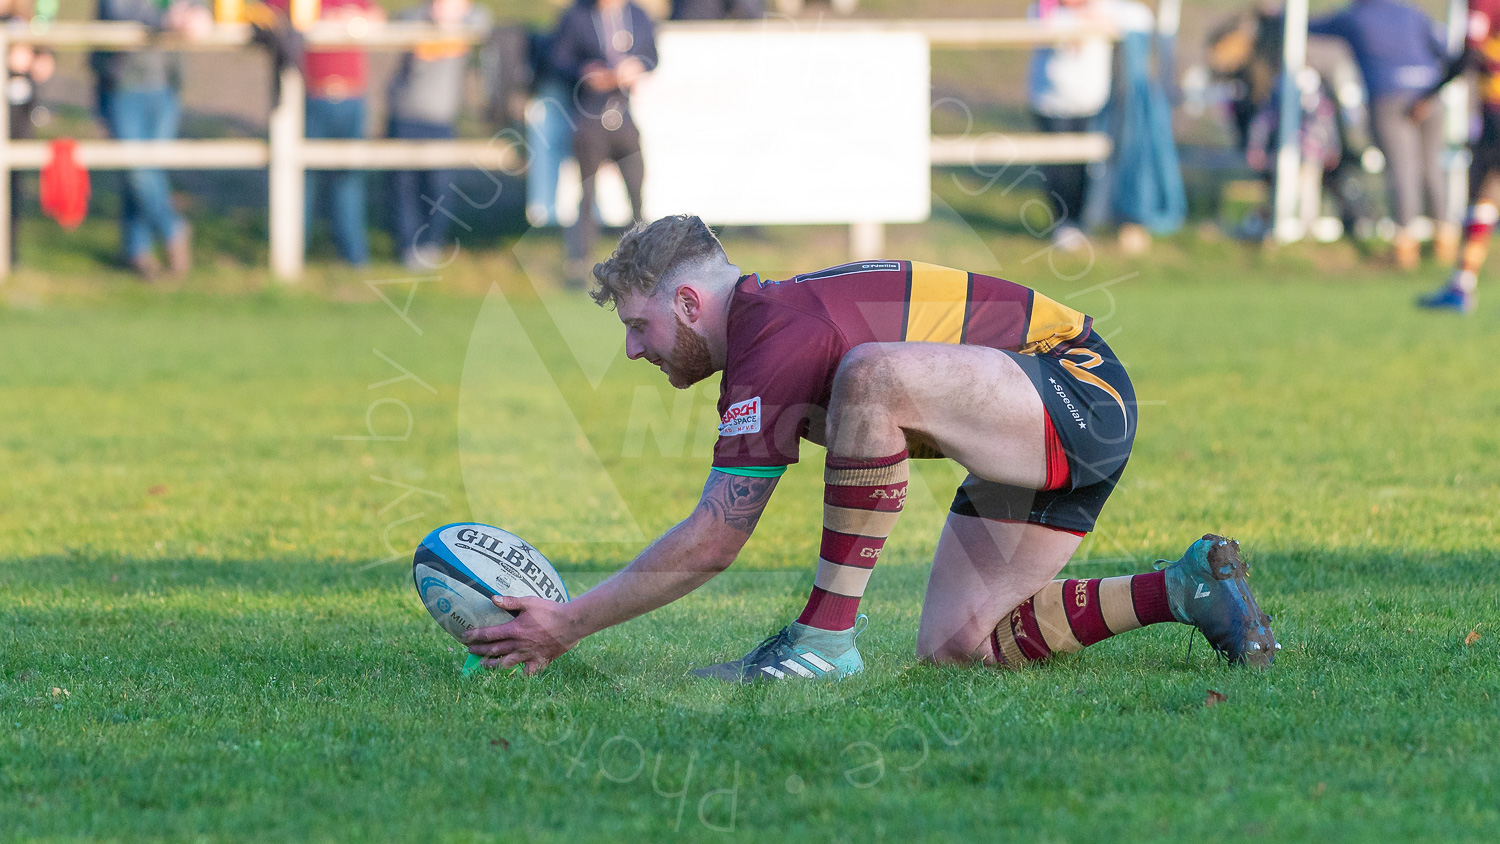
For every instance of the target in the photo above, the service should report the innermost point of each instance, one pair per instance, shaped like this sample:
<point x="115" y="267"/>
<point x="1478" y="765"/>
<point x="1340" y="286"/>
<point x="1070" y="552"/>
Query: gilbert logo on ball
<point x="459" y="568"/>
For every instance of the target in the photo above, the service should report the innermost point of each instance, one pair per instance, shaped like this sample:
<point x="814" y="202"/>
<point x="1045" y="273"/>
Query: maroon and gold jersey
<point x="1483" y="52"/>
<point x="786" y="339"/>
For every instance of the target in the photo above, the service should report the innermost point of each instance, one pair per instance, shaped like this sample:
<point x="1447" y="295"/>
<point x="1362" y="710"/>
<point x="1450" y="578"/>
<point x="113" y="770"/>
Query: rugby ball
<point x="458" y="568"/>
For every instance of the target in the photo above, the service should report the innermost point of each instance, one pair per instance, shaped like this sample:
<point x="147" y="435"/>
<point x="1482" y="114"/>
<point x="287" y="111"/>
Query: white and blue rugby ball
<point x="459" y="568"/>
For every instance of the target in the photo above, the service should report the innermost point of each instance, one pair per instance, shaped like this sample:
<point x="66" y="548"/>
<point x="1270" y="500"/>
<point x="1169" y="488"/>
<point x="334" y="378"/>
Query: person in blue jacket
<point x="1401" y="53"/>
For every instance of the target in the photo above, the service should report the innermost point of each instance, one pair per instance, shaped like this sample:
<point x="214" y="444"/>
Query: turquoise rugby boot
<point x="796" y="652"/>
<point x="1207" y="589"/>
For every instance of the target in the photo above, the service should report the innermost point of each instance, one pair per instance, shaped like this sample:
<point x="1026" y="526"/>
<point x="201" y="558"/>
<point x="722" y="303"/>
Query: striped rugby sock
<point x="1477" y="227"/>
<point x="1070" y="615"/>
<point x="861" y="500"/>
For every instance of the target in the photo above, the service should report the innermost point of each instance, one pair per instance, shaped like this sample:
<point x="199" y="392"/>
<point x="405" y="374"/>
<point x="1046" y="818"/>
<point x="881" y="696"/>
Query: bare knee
<point x="861" y="413"/>
<point x="863" y="374"/>
<point x="964" y="646"/>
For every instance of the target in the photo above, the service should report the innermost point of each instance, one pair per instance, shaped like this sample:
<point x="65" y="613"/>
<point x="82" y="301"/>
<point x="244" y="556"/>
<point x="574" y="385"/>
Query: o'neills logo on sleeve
<point x="742" y="418"/>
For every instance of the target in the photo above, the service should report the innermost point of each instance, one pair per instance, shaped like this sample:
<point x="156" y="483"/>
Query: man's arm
<point x="1422" y="106"/>
<point x="566" y="55"/>
<point x="686" y="557"/>
<point x="1336" y="25"/>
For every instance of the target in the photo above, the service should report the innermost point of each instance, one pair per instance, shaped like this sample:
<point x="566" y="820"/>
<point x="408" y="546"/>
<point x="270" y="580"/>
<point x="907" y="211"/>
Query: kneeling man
<point x="883" y="362"/>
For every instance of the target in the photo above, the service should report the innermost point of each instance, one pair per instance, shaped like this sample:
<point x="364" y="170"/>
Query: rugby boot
<point x="796" y="652"/>
<point x="1207" y="589"/>
<point x="1450" y="298"/>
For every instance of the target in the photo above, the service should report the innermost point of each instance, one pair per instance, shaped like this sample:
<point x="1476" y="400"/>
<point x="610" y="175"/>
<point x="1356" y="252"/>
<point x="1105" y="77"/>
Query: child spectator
<point x="425" y="97"/>
<point x="1317" y="136"/>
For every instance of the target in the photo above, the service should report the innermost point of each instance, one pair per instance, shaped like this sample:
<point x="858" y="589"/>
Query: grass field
<point x="207" y="638"/>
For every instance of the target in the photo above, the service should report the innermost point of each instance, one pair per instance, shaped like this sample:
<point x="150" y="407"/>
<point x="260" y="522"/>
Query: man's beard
<point x="691" y="361"/>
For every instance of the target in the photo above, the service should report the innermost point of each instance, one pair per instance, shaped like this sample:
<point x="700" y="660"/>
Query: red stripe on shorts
<point x="1057" y="458"/>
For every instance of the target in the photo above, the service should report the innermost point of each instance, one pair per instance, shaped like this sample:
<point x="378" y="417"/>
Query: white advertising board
<point x="754" y="128"/>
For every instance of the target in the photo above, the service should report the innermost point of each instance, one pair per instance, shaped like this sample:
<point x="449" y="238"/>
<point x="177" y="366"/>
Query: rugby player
<point x="1482" y="54"/>
<point x="882" y="362"/>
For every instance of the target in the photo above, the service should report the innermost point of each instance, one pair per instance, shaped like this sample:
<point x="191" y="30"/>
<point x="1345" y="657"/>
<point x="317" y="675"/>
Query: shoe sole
<point x="1227" y="567"/>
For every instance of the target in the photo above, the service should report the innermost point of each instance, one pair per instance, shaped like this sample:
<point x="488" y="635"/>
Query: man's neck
<point x="717" y="330"/>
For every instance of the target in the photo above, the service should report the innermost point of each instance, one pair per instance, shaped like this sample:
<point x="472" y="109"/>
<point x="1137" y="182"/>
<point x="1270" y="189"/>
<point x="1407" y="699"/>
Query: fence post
<point x="6" y="174"/>
<point x="1455" y="99"/>
<point x="287" y="188"/>
<point x="866" y="240"/>
<point x="1287" y="200"/>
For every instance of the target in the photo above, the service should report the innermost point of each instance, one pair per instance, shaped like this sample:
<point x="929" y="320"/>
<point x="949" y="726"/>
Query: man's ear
<point x="689" y="302"/>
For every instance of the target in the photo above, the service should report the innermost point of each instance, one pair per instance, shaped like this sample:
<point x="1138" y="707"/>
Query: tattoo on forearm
<point x="737" y="501"/>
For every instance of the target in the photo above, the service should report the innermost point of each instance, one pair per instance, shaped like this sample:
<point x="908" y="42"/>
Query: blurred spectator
<point x="1068" y="86"/>
<point x="137" y="98"/>
<point x="1318" y="138"/>
<point x="26" y="68"/>
<point x="1246" y="50"/>
<point x="336" y="81"/>
<point x="1400" y="54"/>
<point x="425" y="97"/>
<point x="607" y="46"/>
<point x="718" y="10"/>
<point x="1482" y="55"/>
<point x="549" y="132"/>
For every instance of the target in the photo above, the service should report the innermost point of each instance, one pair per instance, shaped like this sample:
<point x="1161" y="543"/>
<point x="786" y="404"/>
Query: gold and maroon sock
<point x="861" y="500"/>
<point x="1480" y="222"/>
<point x="1070" y="615"/>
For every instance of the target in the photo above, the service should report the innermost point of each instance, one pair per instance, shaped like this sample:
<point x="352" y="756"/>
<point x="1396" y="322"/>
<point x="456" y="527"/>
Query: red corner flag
<point x="65" y="185"/>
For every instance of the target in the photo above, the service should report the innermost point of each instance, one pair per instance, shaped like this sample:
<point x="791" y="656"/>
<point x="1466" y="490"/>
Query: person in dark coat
<point x="605" y="47"/>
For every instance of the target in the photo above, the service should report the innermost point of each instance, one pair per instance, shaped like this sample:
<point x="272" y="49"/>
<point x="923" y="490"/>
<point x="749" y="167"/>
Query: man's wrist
<point x="575" y="626"/>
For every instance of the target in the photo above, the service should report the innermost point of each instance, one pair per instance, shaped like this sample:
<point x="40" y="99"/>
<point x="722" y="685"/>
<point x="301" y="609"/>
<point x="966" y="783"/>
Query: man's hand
<point x="688" y="556"/>
<point x="629" y="72"/>
<point x="1420" y="109"/>
<point x="539" y="634"/>
<point x="600" y="77"/>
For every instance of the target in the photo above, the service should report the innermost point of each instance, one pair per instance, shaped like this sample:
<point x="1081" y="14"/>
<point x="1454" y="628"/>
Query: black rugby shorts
<point x="1092" y="406"/>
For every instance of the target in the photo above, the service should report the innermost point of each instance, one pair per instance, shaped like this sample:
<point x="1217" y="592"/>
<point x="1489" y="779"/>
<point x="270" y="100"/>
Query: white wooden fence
<point x="287" y="154"/>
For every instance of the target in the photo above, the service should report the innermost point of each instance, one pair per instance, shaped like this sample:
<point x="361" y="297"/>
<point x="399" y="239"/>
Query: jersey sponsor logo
<point x="741" y="418"/>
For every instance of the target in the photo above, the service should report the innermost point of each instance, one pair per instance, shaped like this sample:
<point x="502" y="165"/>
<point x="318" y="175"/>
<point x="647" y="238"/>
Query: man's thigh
<point x="974" y="403"/>
<point x="983" y="570"/>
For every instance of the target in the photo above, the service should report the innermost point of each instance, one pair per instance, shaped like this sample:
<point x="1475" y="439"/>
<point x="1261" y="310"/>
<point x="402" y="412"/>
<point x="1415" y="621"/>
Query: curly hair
<point x="648" y="253"/>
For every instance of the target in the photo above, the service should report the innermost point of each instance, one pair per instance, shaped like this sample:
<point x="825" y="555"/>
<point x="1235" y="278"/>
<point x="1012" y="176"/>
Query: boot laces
<point x="771" y="644"/>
